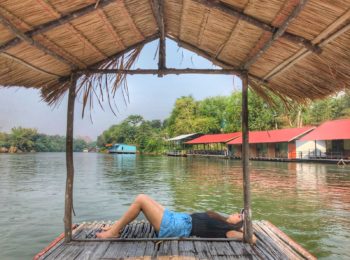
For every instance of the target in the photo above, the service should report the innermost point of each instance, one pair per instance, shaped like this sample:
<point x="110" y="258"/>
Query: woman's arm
<point x="238" y="235"/>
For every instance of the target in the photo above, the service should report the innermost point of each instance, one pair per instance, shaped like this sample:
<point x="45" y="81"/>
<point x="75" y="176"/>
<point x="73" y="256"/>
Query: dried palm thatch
<point x="297" y="49"/>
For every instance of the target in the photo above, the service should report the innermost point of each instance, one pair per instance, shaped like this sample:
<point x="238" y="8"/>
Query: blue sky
<point x="150" y="96"/>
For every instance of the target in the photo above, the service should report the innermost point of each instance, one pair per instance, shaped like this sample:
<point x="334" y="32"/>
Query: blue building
<point x="122" y="148"/>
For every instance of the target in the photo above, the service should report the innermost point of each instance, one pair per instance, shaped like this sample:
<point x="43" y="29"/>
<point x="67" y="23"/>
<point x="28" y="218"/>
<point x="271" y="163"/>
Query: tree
<point x="181" y="120"/>
<point x="23" y="138"/>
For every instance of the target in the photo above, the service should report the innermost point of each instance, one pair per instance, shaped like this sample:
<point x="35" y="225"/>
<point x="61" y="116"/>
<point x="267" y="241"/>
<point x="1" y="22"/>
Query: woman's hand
<point x="238" y="235"/>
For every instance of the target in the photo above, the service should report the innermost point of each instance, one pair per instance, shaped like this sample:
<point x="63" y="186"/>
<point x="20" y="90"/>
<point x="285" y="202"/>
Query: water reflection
<point x="310" y="202"/>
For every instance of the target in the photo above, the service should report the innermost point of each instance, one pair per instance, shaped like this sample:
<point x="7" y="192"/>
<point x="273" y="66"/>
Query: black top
<point x="205" y="226"/>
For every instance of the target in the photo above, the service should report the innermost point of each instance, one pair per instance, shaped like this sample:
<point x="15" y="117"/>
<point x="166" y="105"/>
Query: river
<point x="310" y="202"/>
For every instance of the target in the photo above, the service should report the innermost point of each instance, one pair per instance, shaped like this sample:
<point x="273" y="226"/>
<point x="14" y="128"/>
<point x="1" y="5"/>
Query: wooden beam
<point x="69" y="161"/>
<point x="158" y="11"/>
<point x="281" y="30"/>
<point x="55" y="23"/>
<point x="286" y="64"/>
<point x="248" y="227"/>
<point x="33" y="42"/>
<point x="27" y="64"/>
<point x="166" y="71"/>
<point x="260" y="24"/>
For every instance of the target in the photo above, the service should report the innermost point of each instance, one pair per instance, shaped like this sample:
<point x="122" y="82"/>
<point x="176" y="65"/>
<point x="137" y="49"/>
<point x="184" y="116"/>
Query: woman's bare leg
<point x="150" y="208"/>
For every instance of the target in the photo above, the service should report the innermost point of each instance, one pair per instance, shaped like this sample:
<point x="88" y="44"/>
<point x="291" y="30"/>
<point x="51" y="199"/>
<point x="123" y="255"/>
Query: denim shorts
<point x="175" y="224"/>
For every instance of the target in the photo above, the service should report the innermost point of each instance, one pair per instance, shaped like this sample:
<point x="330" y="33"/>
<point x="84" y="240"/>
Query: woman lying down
<point x="174" y="224"/>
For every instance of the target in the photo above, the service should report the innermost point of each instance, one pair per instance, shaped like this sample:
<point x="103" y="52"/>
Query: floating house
<point x="211" y="144"/>
<point x="177" y="145"/>
<point x="270" y="144"/>
<point x="122" y="149"/>
<point x="331" y="140"/>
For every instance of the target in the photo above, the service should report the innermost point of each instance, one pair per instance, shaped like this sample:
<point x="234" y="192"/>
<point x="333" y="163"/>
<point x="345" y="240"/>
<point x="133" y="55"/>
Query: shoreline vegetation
<point x="220" y="114"/>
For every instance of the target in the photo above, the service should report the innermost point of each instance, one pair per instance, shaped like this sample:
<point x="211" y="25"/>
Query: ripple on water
<point x="310" y="202"/>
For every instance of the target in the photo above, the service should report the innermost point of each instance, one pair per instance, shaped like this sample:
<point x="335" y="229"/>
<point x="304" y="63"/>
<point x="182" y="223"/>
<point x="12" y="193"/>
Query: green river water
<point x="310" y="202"/>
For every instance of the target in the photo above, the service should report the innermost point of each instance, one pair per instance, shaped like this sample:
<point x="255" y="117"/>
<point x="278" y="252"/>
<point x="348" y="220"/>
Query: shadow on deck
<point x="139" y="241"/>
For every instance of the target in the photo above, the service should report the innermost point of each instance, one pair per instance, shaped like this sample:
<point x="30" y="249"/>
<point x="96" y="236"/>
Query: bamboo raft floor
<point x="138" y="241"/>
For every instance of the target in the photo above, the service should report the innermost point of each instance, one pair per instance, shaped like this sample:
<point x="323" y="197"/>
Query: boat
<point x="122" y="149"/>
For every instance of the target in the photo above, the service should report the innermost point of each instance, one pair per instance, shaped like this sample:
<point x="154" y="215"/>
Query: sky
<point x="149" y="96"/>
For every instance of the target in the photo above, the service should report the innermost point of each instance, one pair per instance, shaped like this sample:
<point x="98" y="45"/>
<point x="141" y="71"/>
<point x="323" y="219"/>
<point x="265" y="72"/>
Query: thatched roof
<point x="296" y="48"/>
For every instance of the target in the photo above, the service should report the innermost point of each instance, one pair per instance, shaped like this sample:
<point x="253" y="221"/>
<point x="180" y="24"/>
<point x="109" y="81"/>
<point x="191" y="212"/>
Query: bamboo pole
<point x="163" y="72"/>
<point x="258" y="23"/>
<point x="248" y="228"/>
<point x="69" y="161"/>
<point x="158" y="12"/>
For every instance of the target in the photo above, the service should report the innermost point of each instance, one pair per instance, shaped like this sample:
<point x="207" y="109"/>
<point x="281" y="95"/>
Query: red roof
<point x="274" y="136"/>
<point x="331" y="130"/>
<point x="214" y="138"/>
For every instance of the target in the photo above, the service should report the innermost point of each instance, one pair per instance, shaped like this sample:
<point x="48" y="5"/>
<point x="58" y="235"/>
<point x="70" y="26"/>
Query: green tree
<point x="23" y="138"/>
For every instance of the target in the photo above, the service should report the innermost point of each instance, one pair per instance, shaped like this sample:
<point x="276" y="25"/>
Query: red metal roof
<point x="274" y="136"/>
<point x="331" y="130"/>
<point x="214" y="138"/>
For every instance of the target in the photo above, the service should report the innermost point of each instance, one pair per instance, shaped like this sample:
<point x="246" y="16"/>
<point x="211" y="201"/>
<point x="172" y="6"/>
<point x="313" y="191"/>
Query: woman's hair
<point x="221" y="218"/>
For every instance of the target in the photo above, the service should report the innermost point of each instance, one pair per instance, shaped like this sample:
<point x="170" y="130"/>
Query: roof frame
<point x="281" y="30"/>
<point x="64" y="19"/>
<point x="34" y="43"/>
<point x="260" y="24"/>
<point x="321" y="40"/>
<point x="53" y="11"/>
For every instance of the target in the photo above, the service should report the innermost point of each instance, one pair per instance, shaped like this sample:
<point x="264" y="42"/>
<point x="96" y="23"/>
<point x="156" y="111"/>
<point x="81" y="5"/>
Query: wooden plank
<point x="223" y="249"/>
<point x="269" y="245"/>
<point x="115" y="250"/>
<point x="212" y="251"/>
<point x="93" y="250"/>
<point x="186" y="248"/>
<point x="289" y="241"/>
<point x="150" y="249"/>
<point x="287" y="248"/>
<point x="174" y="248"/>
<point x="278" y="243"/>
<point x="140" y="249"/>
<point x="202" y="249"/>
<point x="164" y="248"/>
<point x="71" y="251"/>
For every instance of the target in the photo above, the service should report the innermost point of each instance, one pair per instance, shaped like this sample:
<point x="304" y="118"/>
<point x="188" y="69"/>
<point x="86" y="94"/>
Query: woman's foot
<point x="107" y="234"/>
<point x="106" y="228"/>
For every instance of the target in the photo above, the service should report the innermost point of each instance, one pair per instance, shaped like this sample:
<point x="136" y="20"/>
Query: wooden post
<point x="248" y="228"/>
<point x="69" y="162"/>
